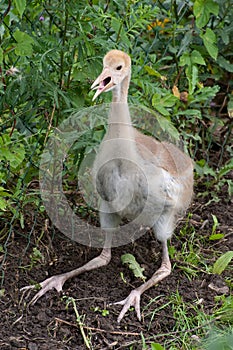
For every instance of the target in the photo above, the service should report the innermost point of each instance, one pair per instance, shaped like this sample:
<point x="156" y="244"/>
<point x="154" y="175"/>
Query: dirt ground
<point x="50" y="324"/>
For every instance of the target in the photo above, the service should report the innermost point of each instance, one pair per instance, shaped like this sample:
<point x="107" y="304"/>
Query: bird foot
<point x="132" y="300"/>
<point x="55" y="282"/>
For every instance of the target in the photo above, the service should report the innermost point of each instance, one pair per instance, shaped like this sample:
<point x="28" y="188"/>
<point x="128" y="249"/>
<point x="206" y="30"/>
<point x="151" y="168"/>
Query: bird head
<point x="116" y="67"/>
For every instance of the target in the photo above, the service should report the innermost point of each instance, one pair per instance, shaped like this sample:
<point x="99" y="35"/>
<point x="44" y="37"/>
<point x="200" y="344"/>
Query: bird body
<point x="134" y="173"/>
<point x="137" y="177"/>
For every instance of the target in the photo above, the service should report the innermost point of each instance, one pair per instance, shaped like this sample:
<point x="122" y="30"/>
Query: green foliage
<point x="103" y="312"/>
<point x="50" y="52"/>
<point x="133" y="265"/>
<point x="79" y="320"/>
<point x="221" y="264"/>
<point x="20" y="6"/>
<point x="156" y="346"/>
<point x="203" y="9"/>
<point x="224" y="313"/>
<point x="219" y="340"/>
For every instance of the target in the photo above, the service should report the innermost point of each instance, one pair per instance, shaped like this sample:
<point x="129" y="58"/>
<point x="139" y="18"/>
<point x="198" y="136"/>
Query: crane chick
<point x="137" y="178"/>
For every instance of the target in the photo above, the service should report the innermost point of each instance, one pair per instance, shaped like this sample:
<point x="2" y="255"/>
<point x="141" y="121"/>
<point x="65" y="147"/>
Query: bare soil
<point x="50" y="324"/>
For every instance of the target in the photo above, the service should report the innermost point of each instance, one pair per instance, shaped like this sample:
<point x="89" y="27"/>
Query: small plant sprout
<point x="36" y="258"/>
<point x="103" y="312"/>
<point x="221" y="264"/>
<point x="156" y="346"/>
<point x="215" y="235"/>
<point x="123" y="277"/>
<point x="133" y="265"/>
<point x="79" y="320"/>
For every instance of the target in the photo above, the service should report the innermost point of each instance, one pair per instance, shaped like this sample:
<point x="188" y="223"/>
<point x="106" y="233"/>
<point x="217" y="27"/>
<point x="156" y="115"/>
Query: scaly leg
<point x="109" y="223"/>
<point x="134" y="297"/>
<point x="57" y="281"/>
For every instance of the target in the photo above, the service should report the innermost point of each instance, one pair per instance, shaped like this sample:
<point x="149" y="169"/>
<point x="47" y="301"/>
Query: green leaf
<point x="209" y="39"/>
<point x="161" y="109"/>
<point x="116" y="24"/>
<point x="197" y="58"/>
<point x="190" y="113"/>
<point x="221" y="264"/>
<point x="205" y="93"/>
<point x="133" y="265"/>
<point x="24" y="43"/>
<point x="156" y="103"/>
<point x="225" y="64"/>
<point x="168" y="127"/>
<point x="3" y="204"/>
<point x="202" y="10"/>
<point x="14" y="155"/>
<point x="160" y="103"/>
<point x="164" y="123"/>
<point x="156" y="346"/>
<point x="153" y="72"/>
<point x="194" y="79"/>
<point x="20" y="6"/>
<point x="169" y="100"/>
<point x="228" y="167"/>
<point x="185" y="59"/>
<point x="203" y="169"/>
<point x="216" y="236"/>
<point x="185" y="42"/>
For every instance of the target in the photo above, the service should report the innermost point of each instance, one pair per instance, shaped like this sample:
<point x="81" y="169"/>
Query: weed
<point x="103" y="312"/>
<point x="79" y="320"/>
<point x="133" y="265"/>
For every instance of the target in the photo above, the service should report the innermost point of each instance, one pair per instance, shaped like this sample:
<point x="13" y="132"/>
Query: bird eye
<point x="118" y="67"/>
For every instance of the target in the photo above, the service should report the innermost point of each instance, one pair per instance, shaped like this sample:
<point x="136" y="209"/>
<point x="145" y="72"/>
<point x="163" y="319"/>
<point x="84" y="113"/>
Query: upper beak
<point x="102" y="83"/>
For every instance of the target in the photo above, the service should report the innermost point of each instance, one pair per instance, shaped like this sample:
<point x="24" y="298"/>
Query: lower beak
<point x="102" y="83"/>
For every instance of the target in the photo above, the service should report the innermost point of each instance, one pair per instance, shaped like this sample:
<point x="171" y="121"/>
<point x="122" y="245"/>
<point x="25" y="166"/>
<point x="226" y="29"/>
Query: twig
<point x="97" y="329"/>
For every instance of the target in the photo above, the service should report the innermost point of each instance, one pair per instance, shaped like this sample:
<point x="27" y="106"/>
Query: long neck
<point x="120" y="127"/>
<point x="120" y="93"/>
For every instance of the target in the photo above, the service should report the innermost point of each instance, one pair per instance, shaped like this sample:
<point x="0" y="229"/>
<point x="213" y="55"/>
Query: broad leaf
<point x="216" y="236"/>
<point x="197" y="58"/>
<point x="156" y="346"/>
<point x="185" y="59"/>
<point x="185" y="42"/>
<point x="24" y="43"/>
<point x="209" y="39"/>
<point x="202" y="10"/>
<point x="221" y="264"/>
<point x="227" y="65"/>
<point x="151" y="71"/>
<point x="20" y="6"/>
<point x="158" y="105"/>
<point x="168" y="127"/>
<point x="133" y="265"/>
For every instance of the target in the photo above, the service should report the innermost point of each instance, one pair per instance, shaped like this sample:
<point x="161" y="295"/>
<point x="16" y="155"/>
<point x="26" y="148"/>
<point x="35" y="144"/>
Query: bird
<point x="137" y="177"/>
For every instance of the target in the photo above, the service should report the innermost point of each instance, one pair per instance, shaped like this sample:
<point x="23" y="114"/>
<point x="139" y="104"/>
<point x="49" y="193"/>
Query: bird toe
<point x="132" y="300"/>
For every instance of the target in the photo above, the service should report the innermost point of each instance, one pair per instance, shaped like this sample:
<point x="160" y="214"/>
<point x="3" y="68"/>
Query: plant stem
<point x="79" y="322"/>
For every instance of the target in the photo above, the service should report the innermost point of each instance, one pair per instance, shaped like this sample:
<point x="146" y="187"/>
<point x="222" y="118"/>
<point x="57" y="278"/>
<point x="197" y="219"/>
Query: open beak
<point x="102" y="83"/>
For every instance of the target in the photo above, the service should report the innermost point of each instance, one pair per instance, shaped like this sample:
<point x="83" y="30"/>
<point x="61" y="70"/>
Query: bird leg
<point x="134" y="297"/>
<point x="57" y="281"/>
